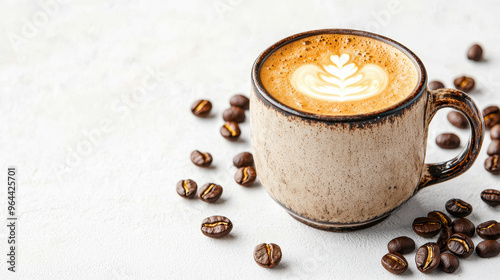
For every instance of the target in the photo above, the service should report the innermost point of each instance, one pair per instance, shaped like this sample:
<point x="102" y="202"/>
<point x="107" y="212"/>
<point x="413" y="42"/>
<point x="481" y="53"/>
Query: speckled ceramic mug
<point x="343" y="173"/>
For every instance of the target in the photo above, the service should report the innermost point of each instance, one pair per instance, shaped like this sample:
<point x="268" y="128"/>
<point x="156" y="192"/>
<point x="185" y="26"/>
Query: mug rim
<point x="264" y="95"/>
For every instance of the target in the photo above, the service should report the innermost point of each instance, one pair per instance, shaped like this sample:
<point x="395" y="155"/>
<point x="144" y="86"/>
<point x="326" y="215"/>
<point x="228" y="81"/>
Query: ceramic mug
<point x="343" y="173"/>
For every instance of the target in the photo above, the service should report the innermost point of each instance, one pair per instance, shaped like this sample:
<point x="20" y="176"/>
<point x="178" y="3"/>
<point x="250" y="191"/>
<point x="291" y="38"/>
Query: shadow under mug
<point x="343" y="173"/>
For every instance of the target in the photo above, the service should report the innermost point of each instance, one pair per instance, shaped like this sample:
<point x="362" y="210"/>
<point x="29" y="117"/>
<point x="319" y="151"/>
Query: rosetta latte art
<point x="340" y="81"/>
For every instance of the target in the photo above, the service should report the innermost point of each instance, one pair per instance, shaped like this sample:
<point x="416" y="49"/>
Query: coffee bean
<point x="186" y="188"/>
<point x="428" y="257"/>
<point x="463" y="225"/>
<point x="395" y="263"/>
<point x="245" y="176"/>
<point x="201" y="108"/>
<point x="491" y="116"/>
<point x="458" y="208"/>
<point x="491" y="197"/>
<point x="475" y="52"/>
<point x="448" y="141"/>
<point x="234" y="114"/>
<point x="495" y="132"/>
<point x="461" y="245"/>
<point x="201" y="159"/>
<point x="442" y="217"/>
<point x="267" y="255"/>
<point x="435" y="85"/>
<point x="492" y="164"/>
<point x="458" y="119"/>
<point x="231" y="131"/>
<point x="488" y="249"/>
<point x="402" y="245"/>
<point x="464" y="83"/>
<point x="426" y="227"/>
<point x="240" y="100"/>
<point x="243" y="159"/>
<point x="442" y="241"/>
<point x="210" y="192"/>
<point x="449" y="263"/>
<point x="494" y="148"/>
<point x="489" y="230"/>
<point x="216" y="226"/>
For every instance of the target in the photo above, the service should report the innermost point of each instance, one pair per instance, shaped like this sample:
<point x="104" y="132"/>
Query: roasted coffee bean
<point x="491" y="197"/>
<point x="458" y="119"/>
<point x="489" y="230"/>
<point x="449" y="263"/>
<point x="448" y="141"/>
<point x="428" y="257"/>
<point x="442" y="217"/>
<point x="210" y="192"/>
<point x="245" y="176"/>
<point x="492" y="164"/>
<point x="186" y="188"/>
<point x="426" y="227"/>
<point x="445" y="234"/>
<point x="494" y="148"/>
<point x="267" y="255"/>
<point x="475" y="52"/>
<point x="402" y="245"/>
<point x="461" y="245"/>
<point x="243" y="159"/>
<point x="464" y="83"/>
<point x="201" y="108"/>
<point x="231" y="131"/>
<point x="240" y="100"/>
<point x="495" y="132"/>
<point x="463" y="225"/>
<point x="216" y="226"/>
<point x="234" y="114"/>
<point x="201" y="159"/>
<point x="435" y="85"/>
<point x="488" y="249"/>
<point x="395" y="262"/>
<point x="491" y="116"/>
<point x="458" y="208"/>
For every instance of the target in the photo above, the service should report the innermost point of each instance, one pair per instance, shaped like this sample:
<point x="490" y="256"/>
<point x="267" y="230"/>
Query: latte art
<point x="340" y="81"/>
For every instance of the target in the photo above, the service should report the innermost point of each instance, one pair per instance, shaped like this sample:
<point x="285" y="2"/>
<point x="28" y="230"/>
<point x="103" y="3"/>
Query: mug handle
<point x="439" y="172"/>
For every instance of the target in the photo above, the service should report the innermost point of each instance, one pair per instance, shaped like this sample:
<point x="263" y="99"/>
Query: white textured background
<point x="95" y="98"/>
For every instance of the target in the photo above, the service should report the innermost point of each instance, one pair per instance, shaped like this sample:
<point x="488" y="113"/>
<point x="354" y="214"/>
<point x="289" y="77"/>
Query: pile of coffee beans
<point x="454" y="236"/>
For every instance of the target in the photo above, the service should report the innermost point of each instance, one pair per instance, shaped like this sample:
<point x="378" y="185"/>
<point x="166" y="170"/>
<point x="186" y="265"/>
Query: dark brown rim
<point x="267" y="98"/>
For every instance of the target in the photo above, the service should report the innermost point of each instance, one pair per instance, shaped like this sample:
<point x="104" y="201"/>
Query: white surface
<point x="111" y="211"/>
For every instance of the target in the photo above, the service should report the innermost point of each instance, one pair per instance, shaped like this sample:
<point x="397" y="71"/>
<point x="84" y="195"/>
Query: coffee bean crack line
<point x="430" y="257"/>
<point x="212" y="225"/>
<point x="396" y="259"/>
<point x="245" y="174"/>
<point x="185" y="186"/>
<point x="230" y="129"/>
<point x="198" y="108"/>
<point x="461" y="241"/>
<point x="208" y="190"/>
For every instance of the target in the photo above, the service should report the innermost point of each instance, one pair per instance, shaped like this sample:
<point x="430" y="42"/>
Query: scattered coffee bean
<point x="489" y="230"/>
<point x="243" y="159"/>
<point x="449" y="263"/>
<point x="491" y="197"/>
<point x="234" y="114"/>
<point x="395" y="263"/>
<point x="458" y="119"/>
<point x="488" y="249"/>
<point x="492" y="164"/>
<point x="426" y="227"/>
<point x="428" y="257"/>
<point x="402" y="245"/>
<point x="458" y="208"/>
<point x="495" y="132"/>
<point x="442" y="217"/>
<point x="475" y="53"/>
<point x="186" y="188"/>
<point x="216" y="226"/>
<point x="494" y="148"/>
<point x="491" y="116"/>
<point x="267" y="255"/>
<point x="210" y="192"/>
<point x="442" y="241"/>
<point x="201" y="159"/>
<point x="201" y="108"/>
<point x="448" y="141"/>
<point x="464" y="83"/>
<point x="435" y="85"/>
<point x="240" y="100"/>
<point x="463" y="225"/>
<point x="231" y="131"/>
<point x="245" y="176"/>
<point x="461" y="245"/>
